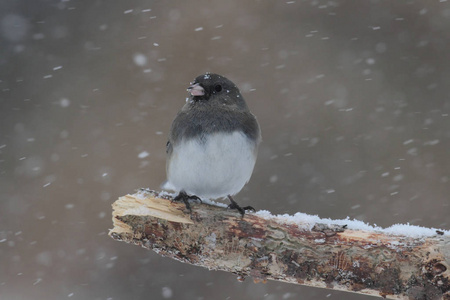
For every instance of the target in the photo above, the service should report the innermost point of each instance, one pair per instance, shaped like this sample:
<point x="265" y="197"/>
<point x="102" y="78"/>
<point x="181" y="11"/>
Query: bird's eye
<point x="218" y="88"/>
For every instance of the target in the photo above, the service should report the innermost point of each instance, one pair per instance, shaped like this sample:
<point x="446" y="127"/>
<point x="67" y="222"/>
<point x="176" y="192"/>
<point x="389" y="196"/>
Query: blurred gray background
<point x="353" y="99"/>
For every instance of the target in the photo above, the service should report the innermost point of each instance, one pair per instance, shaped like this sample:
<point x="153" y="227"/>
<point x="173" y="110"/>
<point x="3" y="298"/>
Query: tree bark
<point x="266" y="247"/>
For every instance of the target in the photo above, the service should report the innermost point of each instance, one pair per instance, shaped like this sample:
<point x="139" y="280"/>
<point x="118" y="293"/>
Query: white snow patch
<point x="164" y="194"/>
<point x="273" y="179"/>
<point x="411" y="230"/>
<point x="69" y="206"/>
<point x="140" y="59"/>
<point x="307" y="222"/>
<point x="64" y="102"/>
<point x="212" y="202"/>
<point x="370" y="61"/>
<point x="431" y="143"/>
<point x="143" y="154"/>
<point x="167" y="292"/>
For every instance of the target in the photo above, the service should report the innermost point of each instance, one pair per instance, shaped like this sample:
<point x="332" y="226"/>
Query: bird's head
<point x="216" y="88"/>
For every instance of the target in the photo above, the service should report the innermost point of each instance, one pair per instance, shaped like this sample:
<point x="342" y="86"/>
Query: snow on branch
<point x="399" y="262"/>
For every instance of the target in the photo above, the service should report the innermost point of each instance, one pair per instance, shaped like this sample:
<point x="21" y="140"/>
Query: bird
<point x="213" y="143"/>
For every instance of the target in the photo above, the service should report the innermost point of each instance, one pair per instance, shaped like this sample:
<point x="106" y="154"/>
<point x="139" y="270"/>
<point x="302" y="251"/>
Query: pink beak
<point x="196" y="90"/>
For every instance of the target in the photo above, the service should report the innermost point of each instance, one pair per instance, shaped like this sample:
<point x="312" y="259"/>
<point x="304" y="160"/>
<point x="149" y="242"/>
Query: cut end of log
<point x="146" y="204"/>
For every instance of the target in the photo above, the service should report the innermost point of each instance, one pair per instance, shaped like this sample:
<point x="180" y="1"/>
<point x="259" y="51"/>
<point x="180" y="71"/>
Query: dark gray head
<point x="214" y="88"/>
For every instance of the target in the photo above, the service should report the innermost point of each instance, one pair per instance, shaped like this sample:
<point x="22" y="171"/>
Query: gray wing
<point x="169" y="148"/>
<point x="166" y="185"/>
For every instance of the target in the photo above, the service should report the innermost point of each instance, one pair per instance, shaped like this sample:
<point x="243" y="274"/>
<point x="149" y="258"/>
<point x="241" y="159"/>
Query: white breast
<point x="219" y="167"/>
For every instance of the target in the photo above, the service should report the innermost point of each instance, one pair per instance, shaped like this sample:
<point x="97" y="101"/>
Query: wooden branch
<point x="264" y="247"/>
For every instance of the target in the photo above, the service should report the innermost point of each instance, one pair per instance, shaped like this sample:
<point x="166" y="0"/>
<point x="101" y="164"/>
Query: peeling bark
<point x="327" y="256"/>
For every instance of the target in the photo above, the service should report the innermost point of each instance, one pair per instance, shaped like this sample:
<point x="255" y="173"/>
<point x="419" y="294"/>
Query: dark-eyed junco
<point x="213" y="143"/>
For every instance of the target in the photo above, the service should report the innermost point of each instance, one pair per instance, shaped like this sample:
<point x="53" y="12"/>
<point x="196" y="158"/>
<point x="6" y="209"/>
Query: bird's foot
<point x="236" y="206"/>
<point x="183" y="197"/>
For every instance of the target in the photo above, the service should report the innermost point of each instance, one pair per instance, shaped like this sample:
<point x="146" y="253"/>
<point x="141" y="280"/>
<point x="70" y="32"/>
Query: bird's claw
<point x="236" y="206"/>
<point x="183" y="197"/>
